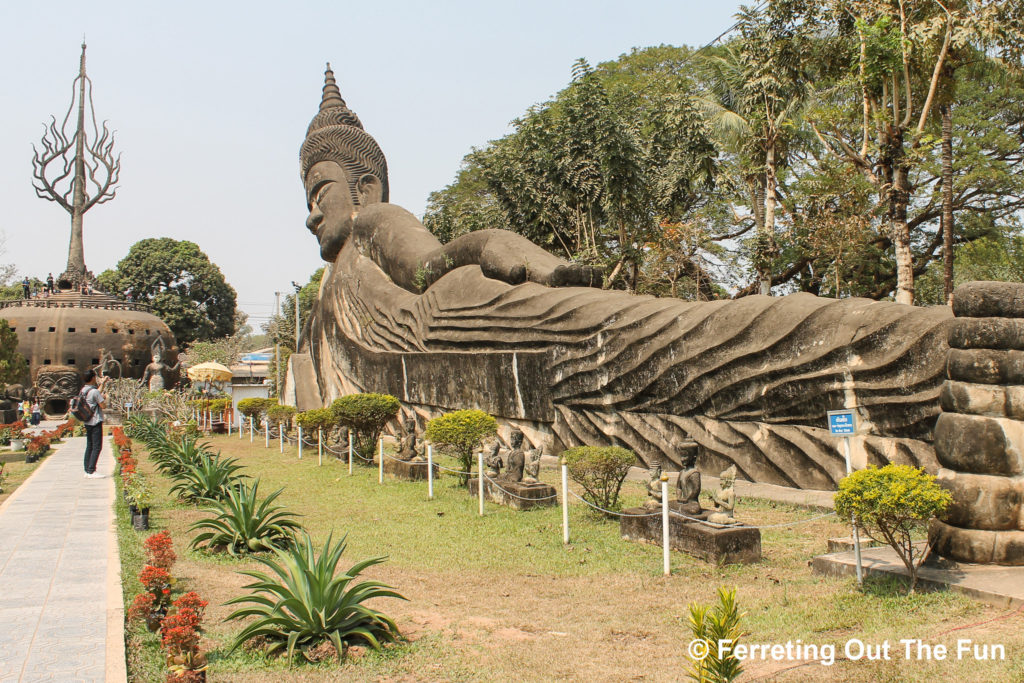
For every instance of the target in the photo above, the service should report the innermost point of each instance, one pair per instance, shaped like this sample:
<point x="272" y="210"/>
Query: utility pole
<point x="298" y="329"/>
<point x="277" y="346"/>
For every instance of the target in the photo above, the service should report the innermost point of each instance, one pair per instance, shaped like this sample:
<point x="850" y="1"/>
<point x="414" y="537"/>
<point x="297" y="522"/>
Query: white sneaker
<point x="94" y="475"/>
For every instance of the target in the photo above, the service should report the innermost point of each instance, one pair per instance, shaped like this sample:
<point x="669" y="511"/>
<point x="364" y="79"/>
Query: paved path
<point x="61" y="613"/>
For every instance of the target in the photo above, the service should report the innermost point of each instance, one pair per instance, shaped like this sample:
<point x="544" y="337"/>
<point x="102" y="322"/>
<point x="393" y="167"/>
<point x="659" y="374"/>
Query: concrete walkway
<point x="61" y="612"/>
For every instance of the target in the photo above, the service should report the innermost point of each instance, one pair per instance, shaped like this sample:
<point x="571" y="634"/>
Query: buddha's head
<point x="516" y="437"/>
<point x="343" y="170"/>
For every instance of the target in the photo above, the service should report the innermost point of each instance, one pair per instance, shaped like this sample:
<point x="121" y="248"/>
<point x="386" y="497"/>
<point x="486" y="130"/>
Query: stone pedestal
<point x="9" y="415"/>
<point x="411" y="470"/>
<point x="516" y="494"/>
<point x="720" y="545"/>
<point x="979" y="437"/>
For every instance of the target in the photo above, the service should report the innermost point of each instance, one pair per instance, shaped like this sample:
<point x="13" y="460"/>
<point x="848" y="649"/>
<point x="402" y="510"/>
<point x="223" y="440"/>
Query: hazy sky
<point x="210" y="102"/>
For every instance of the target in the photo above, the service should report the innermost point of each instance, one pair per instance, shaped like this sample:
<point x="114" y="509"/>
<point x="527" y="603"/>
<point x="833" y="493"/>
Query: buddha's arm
<point x="414" y="259"/>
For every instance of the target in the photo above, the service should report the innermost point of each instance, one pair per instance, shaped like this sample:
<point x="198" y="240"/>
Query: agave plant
<point x="208" y="479"/>
<point x="244" y="524"/>
<point x="304" y="604"/>
<point x="174" y="456"/>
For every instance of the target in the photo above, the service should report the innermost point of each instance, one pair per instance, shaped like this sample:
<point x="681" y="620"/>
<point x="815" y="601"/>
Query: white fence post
<point x="664" y="525"/>
<point x="380" y="462"/>
<point x="430" y="472"/>
<point x="480" y="481"/>
<point x="266" y="434"/>
<point x="229" y="426"/>
<point x="300" y="442"/>
<point x="565" y="503"/>
<point x="350" y="452"/>
<point x="280" y="436"/>
<point x="320" y="446"/>
<point x="251" y="428"/>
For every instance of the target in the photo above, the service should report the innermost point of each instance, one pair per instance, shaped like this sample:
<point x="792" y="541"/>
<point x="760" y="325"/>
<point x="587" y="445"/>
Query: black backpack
<point x="80" y="408"/>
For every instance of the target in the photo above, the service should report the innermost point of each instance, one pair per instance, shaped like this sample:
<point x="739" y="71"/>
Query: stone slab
<point x="1005" y="547"/>
<point x="720" y="545"/>
<point x="992" y="400"/>
<point x="516" y="495"/>
<point x="996" y="585"/>
<point x="978" y="444"/>
<point x="989" y="300"/>
<point x="986" y="333"/>
<point x="986" y="366"/>
<point x="407" y="469"/>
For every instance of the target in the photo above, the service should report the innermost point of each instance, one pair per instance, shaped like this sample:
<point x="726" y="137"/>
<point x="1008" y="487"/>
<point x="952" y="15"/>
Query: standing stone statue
<point x="493" y="461"/>
<point x="516" y="458"/>
<point x="725" y="498"/>
<point x="688" y="485"/>
<point x="158" y="374"/>
<point x="407" y="449"/>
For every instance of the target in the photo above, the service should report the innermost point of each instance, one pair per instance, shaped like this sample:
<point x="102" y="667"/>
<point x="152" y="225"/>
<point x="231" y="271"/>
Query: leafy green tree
<point x="462" y="434"/>
<point x="177" y="279"/>
<point x="890" y="504"/>
<point x="366" y="415"/>
<point x="600" y="470"/>
<point x="13" y="368"/>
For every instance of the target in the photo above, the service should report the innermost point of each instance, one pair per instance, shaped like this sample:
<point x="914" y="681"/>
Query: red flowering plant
<point x="180" y="632"/>
<point x="121" y="440"/>
<point x="160" y="551"/>
<point x="38" y="445"/>
<point x="15" y="428"/>
<point x="157" y="581"/>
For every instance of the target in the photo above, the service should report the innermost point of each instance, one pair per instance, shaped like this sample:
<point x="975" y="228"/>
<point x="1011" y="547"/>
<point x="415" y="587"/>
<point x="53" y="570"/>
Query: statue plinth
<point x="411" y="470"/>
<point x="720" y="545"/>
<point x="515" y="494"/>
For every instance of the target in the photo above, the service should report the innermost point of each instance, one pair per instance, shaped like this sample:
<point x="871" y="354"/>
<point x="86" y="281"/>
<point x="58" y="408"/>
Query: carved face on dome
<point x="57" y="382"/>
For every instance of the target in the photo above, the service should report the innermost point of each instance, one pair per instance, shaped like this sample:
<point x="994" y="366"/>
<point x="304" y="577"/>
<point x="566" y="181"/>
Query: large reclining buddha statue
<point x="492" y="321"/>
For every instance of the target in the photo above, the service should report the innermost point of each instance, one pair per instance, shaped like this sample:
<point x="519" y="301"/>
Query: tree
<point x="13" y="368"/>
<point x="890" y="504"/>
<point x="461" y="433"/>
<point x="184" y="288"/>
<point x="366" y="415"/>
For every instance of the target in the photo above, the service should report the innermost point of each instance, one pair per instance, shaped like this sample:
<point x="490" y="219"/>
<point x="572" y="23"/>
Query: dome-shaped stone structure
<point x="75" y="332"/>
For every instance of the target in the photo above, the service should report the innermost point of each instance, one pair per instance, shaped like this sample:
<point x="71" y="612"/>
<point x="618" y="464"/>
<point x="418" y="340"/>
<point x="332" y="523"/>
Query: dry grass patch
<point x="500" y="598"/>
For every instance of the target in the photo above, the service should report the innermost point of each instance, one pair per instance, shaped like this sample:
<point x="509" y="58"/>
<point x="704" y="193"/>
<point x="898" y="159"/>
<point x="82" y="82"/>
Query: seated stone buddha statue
<point x="492" y="321"/>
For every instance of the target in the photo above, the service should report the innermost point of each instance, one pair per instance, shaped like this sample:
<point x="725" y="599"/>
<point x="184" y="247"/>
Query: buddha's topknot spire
<point x="332" y="96"/>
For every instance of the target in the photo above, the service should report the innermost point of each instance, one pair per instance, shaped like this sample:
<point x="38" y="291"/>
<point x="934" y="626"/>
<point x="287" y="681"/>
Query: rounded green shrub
<point x="600" y="470"/>
<point x="365" y="415"/>
<point x="890" y="504"/>
<point x="281" y="415"/>
<point x="317" y="418"/>
<point x="461" y="434"/>
<point x="255" y="407"/>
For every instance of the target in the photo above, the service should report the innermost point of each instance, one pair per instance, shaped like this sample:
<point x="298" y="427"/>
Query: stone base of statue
<point x="720" y="545"/>
<point x="411" y="470"/>
<point x="517" y="495"/>
<point x="7" y="416"/>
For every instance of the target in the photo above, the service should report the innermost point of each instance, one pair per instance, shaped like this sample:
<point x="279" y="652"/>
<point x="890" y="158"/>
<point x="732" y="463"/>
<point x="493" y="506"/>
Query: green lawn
<point x="499" y="597"/>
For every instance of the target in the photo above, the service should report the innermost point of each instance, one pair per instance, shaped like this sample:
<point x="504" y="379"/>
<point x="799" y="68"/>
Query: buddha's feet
<point x="577" y="275"/>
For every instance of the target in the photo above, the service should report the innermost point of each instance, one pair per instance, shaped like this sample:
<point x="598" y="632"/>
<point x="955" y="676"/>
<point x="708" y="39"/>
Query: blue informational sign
<point x="842" y="422"/>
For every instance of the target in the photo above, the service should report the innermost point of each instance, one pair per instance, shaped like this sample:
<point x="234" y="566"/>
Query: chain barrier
<point x="610" y="512"/>
<point x="509" y="493"/>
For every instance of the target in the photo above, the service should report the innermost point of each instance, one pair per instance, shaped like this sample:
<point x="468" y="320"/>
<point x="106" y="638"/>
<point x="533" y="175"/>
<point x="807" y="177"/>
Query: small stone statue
<point x="407" y="449"/>
<point x="516" y="458"/>
<point x="688" y="485"/>
<point x="725" y="498"/>
<point x="654" y="485"/>
<point x="493" y="461"/>
<point x="532" y="471"/>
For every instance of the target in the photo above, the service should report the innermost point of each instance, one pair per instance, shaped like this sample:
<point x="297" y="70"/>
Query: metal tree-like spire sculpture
<point x="76" y="170"/>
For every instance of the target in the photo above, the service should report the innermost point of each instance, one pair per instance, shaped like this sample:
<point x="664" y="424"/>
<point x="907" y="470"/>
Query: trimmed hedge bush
<point x="889" y="504"/>
<point x="461" y="434"/>
<point x="365" y="415"/>
<point x="255" y="407"/>
<point x="317" y="418"/>
<point x="600" y="470"/>
<point x="281" y="415"/>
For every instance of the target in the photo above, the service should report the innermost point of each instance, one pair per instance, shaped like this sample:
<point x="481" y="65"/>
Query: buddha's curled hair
<point x="336" y="134"/>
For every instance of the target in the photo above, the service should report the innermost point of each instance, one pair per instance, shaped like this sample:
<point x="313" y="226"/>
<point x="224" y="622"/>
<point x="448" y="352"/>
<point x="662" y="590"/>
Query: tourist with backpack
<point x="88" y="407"/>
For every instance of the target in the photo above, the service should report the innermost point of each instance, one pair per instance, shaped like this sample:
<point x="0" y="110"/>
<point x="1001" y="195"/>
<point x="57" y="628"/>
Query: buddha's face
<point x="331" y="209"/>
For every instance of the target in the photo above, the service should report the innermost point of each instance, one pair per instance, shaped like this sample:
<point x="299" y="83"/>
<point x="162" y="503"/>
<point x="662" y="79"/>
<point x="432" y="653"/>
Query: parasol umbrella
<point x="208" y="372"/>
